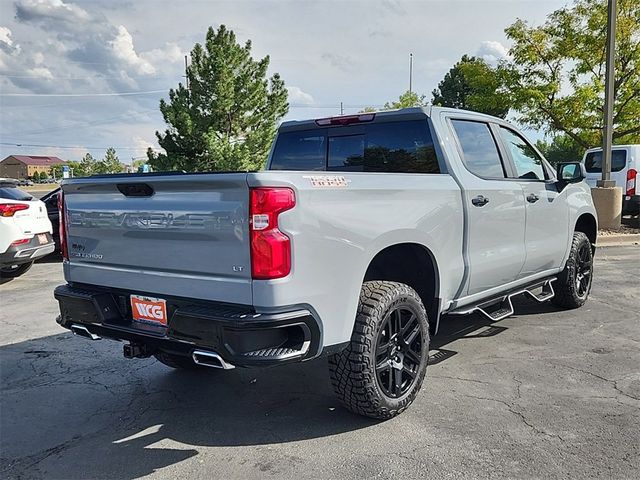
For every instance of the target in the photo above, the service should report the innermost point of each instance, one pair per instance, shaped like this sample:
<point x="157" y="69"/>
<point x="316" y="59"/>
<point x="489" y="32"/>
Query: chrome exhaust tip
<point x="210" y="359"/>
<point x="82" y="331"/>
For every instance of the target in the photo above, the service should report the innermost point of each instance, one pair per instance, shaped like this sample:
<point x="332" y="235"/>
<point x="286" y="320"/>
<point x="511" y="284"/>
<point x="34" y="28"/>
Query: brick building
<point x="25" y="166"/>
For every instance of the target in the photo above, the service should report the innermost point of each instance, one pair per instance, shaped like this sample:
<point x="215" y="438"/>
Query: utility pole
<point x="186" y="76"/>
<point x="341" y="109"/>
<point x="607" y="134"/>
<point x="607" y="197"/>
<point x="410" y="72"/>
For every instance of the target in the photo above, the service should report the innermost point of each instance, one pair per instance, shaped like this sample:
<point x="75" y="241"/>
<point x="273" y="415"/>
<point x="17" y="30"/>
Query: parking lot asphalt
<point x="542" y="394"/>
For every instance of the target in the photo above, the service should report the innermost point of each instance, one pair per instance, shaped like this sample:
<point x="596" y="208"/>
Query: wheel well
<point x="587" y="224"/>
<point x="413" y="265"/>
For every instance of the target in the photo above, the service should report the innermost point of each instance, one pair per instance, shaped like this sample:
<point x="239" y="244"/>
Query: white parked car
<point x="25" y="230"/>
<point x="625" y="162"/>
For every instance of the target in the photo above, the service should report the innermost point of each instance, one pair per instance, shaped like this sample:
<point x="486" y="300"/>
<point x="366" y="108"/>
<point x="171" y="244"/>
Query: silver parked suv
<point x="361" y="233"/>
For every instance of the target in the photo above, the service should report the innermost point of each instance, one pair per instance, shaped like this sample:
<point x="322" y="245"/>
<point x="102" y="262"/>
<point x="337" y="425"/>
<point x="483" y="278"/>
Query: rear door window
<point x="479" y="149"/>
<point x="393" y="147"/>
<point x="593" y="161"/>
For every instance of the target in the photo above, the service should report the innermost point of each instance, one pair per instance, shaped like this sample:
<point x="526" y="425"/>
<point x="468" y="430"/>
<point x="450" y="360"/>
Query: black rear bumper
<point x="28" y="252"/>
<point x="236" y="333"/>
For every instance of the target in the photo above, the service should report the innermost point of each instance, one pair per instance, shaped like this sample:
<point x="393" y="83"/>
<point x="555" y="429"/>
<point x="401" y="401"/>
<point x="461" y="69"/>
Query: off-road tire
<point x="177" y="361"/>
<point x="8" y="272"/>
<point x="353" y="370"/>
<point x="566" y="287"/>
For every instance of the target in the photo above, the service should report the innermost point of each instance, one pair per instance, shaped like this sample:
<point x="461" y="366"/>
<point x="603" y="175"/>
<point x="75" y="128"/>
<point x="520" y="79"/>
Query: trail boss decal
<point x="327" y="181"/>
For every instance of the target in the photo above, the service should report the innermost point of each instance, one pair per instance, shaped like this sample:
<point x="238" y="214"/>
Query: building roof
<point x="37" y="160"/>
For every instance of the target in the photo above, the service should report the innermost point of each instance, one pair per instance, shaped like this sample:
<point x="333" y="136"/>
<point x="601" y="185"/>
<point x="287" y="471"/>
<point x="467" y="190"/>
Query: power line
<point x="83" y="77"/>
<point x="291" y="105"/>
<point x="69" y="147"/>
<point x="112" y="94"/>
<point x="88" y="123"/>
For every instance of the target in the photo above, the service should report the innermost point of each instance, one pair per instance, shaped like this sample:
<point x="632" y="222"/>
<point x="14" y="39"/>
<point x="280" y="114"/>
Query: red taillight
<point x="9" y="209"/>
<point x="631" y="181"/>
<point x="346" y="120"/>
<point x="62" y="228"/>
<point x="22" y="241"/>
<point x="270" y="248"/>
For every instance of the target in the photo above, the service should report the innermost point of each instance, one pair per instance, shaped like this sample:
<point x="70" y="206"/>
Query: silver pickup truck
<point x="361" y="233"/>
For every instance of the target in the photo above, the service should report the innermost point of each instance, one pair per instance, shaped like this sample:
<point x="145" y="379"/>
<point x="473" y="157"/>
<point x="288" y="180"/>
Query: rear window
<point x="13" y="193"/>
<point x="400" y="147"/>
<point x="593" y="161"/>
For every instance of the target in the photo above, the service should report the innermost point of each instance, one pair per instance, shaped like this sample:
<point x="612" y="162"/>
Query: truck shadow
<point x="477" y="326"/>
<point x="75" y="409"/>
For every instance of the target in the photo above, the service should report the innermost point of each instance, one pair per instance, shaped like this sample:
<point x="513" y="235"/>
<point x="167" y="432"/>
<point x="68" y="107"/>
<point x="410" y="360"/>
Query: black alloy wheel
<point x="583" y="270"/>
<point x="398" y="352"/>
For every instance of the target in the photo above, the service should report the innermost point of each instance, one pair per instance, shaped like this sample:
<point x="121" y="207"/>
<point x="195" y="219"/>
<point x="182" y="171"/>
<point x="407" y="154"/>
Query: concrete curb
<point x="618" y="240"/>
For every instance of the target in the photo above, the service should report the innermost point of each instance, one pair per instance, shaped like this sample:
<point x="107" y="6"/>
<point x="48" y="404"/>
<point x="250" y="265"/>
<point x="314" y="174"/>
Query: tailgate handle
<point x="135" y="189"/>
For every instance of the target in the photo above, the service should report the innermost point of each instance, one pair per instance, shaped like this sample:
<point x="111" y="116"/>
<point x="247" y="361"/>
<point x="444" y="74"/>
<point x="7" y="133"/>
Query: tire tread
<point x="565" y="288"/>
<point x="352" y="374"/>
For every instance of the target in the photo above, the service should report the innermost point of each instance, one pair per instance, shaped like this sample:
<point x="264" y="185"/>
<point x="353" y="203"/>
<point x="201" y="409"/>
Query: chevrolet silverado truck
<point x="362" y="232"/>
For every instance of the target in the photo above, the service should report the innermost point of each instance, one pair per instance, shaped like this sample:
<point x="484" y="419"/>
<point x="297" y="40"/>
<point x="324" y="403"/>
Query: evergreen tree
<point x="227" y="118"/>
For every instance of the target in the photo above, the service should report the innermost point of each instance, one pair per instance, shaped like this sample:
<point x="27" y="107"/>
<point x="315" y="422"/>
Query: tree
<point x="227" y="118"/>
<point x="472" y="84"/>
<point x="56" y="170"/>
<point x="406" y="100"/>
<point x="561" y="148"/>
<point x="86" y="167"/>
<point x="109" y="164"/>
<point x="36" y="177"/>
<point x="557" y="72"/>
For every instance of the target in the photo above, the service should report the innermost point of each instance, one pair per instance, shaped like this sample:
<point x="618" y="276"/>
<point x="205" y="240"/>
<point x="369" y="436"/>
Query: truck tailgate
<point x="179" y="235"/>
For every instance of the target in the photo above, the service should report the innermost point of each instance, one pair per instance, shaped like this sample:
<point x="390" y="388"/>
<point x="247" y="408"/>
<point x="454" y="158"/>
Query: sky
<point x="79" y="76"/>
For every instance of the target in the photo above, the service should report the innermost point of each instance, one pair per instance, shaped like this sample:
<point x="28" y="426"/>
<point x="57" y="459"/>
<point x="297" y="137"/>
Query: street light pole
<point x="410" y="72"/>
<point x="607" y="198"/>
<point x="607" y="134"/>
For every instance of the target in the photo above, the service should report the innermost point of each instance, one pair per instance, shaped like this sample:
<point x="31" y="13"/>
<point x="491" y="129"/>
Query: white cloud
<point x="7" y="46"/>
<point x="339" y="61"/>
<point x="142" y="144"/>
<point x="28" y="10"/>
<point x="38" y="58"/>
<point x="122" y="48"/>
<point x="5" y="36"/>
<point x="297" y="95"/>
<point x="40" y="72"/>
<point x="171" y="53"/>
<point x="492" y="51"/>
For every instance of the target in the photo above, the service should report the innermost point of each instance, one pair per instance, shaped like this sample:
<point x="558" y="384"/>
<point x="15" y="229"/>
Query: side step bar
<point x="499" y="308"/>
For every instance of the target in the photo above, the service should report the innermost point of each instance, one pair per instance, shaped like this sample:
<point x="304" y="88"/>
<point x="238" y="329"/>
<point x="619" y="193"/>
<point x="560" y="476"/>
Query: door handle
<point x="480" y="201"/>
<point x="532" y="198"/>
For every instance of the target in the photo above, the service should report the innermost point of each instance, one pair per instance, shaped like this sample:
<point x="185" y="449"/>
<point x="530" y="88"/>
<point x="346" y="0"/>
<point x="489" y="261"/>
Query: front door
<point x="547" y="212"/>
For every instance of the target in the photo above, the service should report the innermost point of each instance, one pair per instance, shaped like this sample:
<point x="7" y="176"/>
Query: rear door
<point x="495" y="208"/>
<point x="178" y="235"/>
<point x="547" y="211"/>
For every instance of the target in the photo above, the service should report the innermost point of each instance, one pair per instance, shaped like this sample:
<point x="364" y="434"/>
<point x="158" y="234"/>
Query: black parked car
<point x="51" y="201"/>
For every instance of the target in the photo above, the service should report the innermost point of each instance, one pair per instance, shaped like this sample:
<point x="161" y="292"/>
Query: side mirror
<point x="571" y="172"/>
